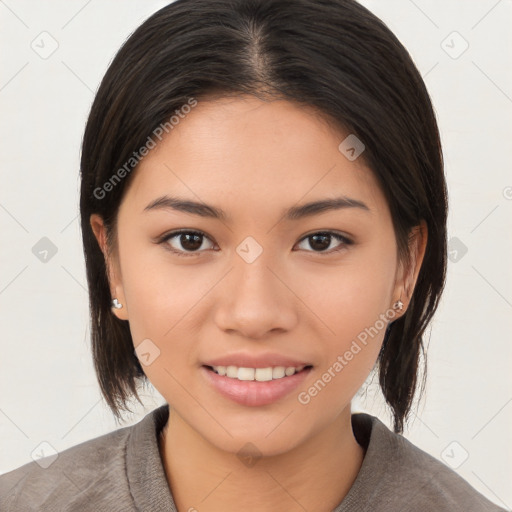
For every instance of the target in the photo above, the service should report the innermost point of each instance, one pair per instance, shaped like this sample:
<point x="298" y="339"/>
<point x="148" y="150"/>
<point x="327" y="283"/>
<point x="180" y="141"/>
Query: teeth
<point x="258" y="374"/>
<point x="278" y="372"/>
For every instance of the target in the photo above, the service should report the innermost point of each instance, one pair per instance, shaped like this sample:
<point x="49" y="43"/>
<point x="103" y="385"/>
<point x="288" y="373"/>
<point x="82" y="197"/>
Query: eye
<point x="188" y="243"/>
<point x="322" y="240"/>
<point x="184" y="243"/>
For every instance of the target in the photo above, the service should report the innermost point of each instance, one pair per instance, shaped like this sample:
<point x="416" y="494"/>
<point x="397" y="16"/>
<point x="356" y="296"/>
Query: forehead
<point x="266" y="152"/>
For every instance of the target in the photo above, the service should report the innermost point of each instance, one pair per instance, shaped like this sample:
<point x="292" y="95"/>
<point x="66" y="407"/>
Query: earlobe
<point x="118" y="309"/>
<point x="399" y="305"/>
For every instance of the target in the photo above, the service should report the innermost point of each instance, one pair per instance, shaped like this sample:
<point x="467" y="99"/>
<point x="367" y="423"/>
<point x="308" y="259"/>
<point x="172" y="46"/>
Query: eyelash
<point x="341" y="238"/>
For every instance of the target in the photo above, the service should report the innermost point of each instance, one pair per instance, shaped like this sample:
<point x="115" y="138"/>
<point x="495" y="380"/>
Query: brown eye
<point x="190" y="241"/>
<point x="321" y="241"/>
<point x="184" y="242"/>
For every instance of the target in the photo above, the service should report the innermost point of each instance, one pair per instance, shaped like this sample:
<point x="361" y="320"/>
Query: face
<point x="255" y="281"/>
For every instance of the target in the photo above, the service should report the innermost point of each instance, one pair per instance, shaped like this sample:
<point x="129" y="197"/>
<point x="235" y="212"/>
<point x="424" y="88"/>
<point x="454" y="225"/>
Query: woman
<point x="263" y="211"/>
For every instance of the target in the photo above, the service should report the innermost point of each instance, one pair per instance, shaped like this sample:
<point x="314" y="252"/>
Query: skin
<point x="253" y="159"/>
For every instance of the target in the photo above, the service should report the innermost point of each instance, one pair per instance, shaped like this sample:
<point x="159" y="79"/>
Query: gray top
<point x="122" y="471"/>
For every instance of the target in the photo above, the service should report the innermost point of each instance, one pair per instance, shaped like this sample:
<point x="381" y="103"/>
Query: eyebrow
<point x="293" y="213"/>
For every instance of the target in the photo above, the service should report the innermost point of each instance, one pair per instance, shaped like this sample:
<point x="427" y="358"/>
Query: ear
<point x="408" y="272"/>
<point x="112" y="265"/>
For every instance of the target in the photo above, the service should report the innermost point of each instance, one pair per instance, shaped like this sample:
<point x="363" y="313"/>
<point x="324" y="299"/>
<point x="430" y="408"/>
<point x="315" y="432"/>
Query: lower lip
<point x="254" y="393"/>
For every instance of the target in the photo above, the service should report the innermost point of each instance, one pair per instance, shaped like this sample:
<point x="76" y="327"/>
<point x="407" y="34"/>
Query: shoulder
<point x="397" y="473"/>
<point x="80" y="477"/>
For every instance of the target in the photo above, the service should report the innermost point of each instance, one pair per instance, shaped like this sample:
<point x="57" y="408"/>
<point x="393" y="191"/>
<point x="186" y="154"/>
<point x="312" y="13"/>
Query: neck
<point x="315" y="475"/>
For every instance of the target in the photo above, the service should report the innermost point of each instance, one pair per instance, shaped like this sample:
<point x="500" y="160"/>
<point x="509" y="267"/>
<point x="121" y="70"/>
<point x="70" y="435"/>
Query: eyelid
<point x="344" y="239"/>
<point x="168" y="236"/>
<point x="347" y="238"/>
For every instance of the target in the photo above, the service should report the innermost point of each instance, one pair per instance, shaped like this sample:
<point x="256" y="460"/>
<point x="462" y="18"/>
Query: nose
<point x="255" y="299"/>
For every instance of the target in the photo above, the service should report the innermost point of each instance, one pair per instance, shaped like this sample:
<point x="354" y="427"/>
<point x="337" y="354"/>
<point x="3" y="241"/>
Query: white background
<point x="48" y="389"/>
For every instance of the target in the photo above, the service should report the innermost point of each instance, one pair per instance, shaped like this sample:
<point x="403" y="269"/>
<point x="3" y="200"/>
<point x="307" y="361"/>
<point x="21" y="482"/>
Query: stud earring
<point x="399" y="304"/>
<point x="116" y="304"/>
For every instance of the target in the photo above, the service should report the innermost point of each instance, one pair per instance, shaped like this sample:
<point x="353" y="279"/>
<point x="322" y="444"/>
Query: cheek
<point x="355" y="313"/>
<point x="352" y="304"/>
<point x="352" y="296"/>
<point x="158" y="292"/>
<point x="167" y="305"/>
<point x="163" y="309"/>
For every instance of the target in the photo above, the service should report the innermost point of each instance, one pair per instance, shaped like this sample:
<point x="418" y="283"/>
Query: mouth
<point x="254" y="387"/>
<point x="269" y="373"/>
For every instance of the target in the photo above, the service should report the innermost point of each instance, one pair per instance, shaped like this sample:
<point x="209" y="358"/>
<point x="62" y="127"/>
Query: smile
<point x="258" y="374"/>
<point x="251" y="391"/>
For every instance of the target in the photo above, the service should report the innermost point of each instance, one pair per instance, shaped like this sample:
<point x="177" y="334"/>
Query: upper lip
<point x="245" y="360"/>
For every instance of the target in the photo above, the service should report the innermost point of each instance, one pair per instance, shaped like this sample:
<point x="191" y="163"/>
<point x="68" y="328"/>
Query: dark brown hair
<point x="332" y="55"/>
